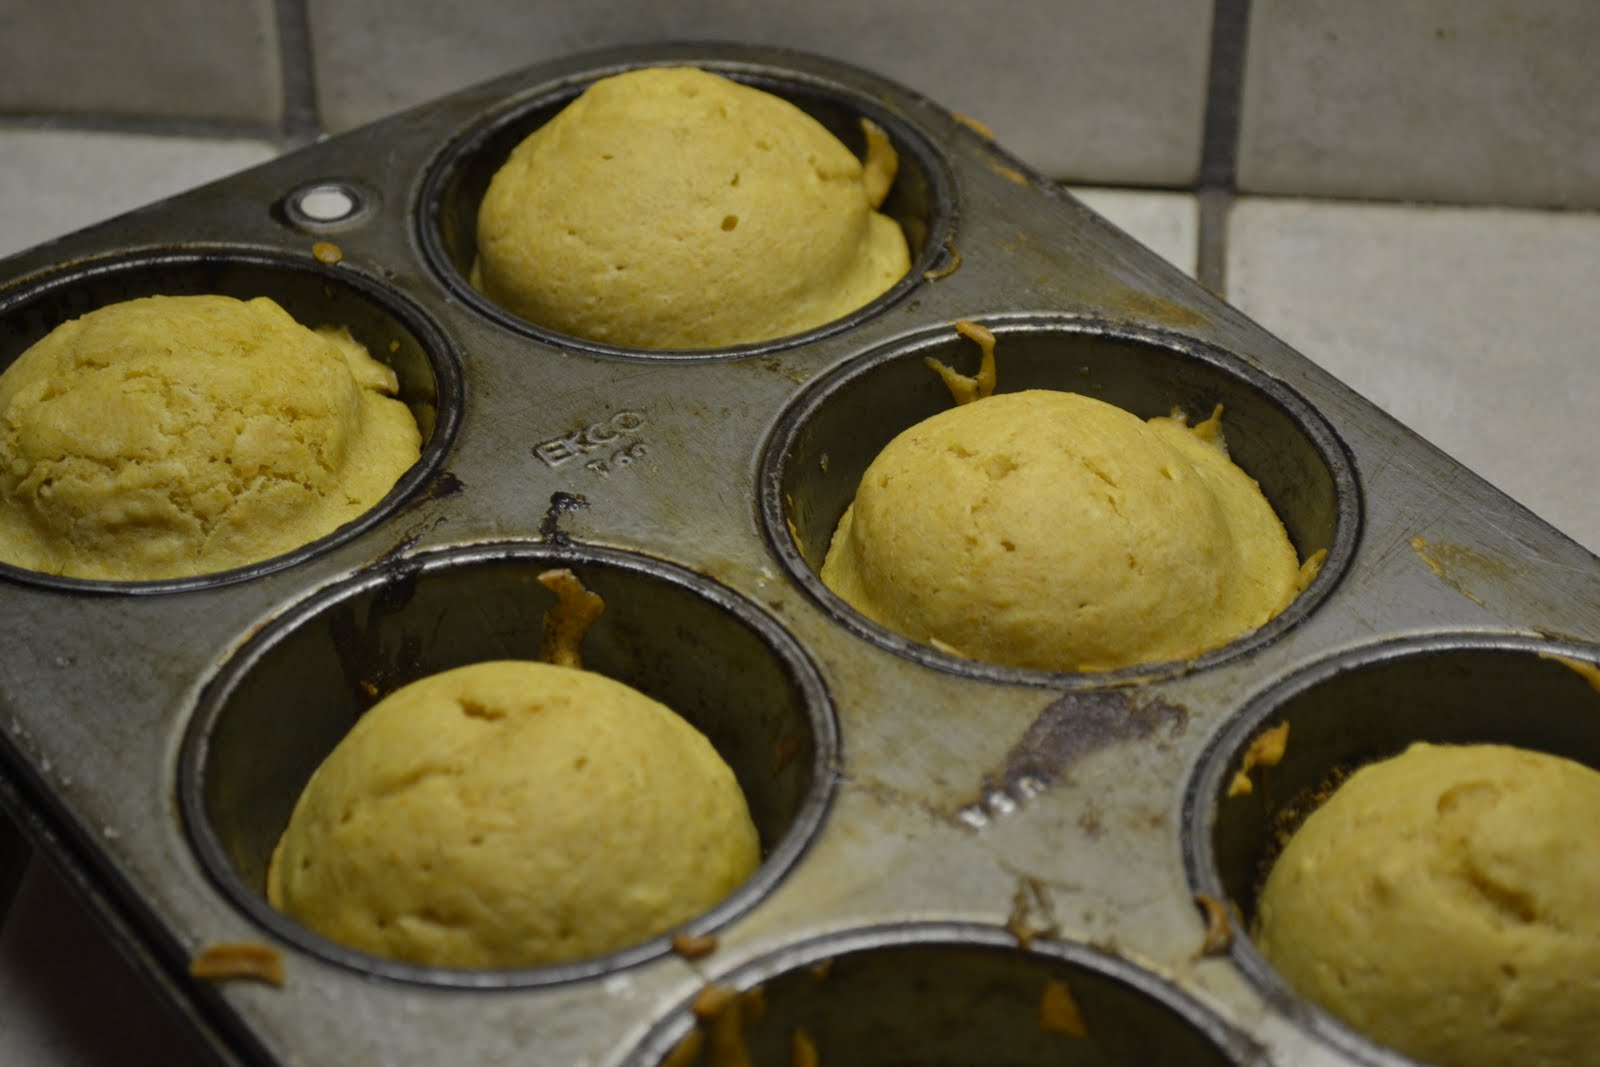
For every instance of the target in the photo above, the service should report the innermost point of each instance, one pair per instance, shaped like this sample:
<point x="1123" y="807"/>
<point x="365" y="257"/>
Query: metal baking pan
<point x="942" y="839"/>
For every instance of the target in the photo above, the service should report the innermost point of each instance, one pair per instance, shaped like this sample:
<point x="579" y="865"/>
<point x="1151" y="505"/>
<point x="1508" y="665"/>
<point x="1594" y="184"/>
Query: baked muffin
<point x="174" y="436"/>
<point x="512" y="814"/>
<point x="672" y="208"/>
<point x="1052" y="531"/>
<point x="1443" y="902"/>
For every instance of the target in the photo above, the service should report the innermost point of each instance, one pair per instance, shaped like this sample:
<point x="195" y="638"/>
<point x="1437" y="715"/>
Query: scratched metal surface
<point x="918" y="812"/>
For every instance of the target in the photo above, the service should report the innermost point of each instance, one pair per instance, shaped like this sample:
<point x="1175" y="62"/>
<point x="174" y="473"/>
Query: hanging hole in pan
<point x="328" y="206"/>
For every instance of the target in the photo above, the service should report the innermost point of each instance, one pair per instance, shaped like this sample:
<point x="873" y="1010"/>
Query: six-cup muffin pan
<point x="943" y="840"/>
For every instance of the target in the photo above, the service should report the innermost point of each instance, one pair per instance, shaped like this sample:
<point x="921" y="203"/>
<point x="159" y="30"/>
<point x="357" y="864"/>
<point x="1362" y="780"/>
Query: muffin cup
<point x="951" y="995"/>
<point x="921" y="199"/>
<point x="393" y="329"/>
<point x="1356" y="708"/>
<point x="824" y="442"/>
<point x="289" y="695"/>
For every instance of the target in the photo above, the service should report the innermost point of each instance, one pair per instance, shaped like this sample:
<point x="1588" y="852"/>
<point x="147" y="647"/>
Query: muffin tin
<point x="942" y="839"/>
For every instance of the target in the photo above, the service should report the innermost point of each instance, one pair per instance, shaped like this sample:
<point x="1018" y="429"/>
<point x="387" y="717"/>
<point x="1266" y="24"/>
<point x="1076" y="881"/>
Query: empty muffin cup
<point x="815" y="460"/>
<point x="919" y="200"/>
<point x="1292" y="748"/>
<point x="392" y="330"/>
<point x="950" y="995"/>
<point x="276" y="709"/>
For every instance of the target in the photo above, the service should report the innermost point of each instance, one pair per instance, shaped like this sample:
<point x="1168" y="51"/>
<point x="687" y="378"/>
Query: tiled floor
<point x="1482" y="102"/>
<point x="1474" y="326"/>
<point x="1113" y="93"/>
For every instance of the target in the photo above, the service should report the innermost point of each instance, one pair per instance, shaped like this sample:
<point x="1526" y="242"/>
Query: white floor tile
<point x="1167" y="223"/>
<point x="195" y="59"/>
<point x="53" y="182"/>
<point x="1476" y="101"/>
<point x="1476" y="327"/>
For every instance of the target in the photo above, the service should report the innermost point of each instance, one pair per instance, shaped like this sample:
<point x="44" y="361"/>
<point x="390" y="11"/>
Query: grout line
<point x="301" y="123"/>
<point x="1219" y="152"/>
<point x="1211" y="252"/>
<point x="147" y="125"/>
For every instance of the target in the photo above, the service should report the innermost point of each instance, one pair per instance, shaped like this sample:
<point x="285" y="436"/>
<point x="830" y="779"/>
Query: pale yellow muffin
<point x="512" y="814"/>
<point x="1052" y="531"/>
<point x="1446" y="902"/>
<point x="672" y="208"/>
<point x="173" y="436"/>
